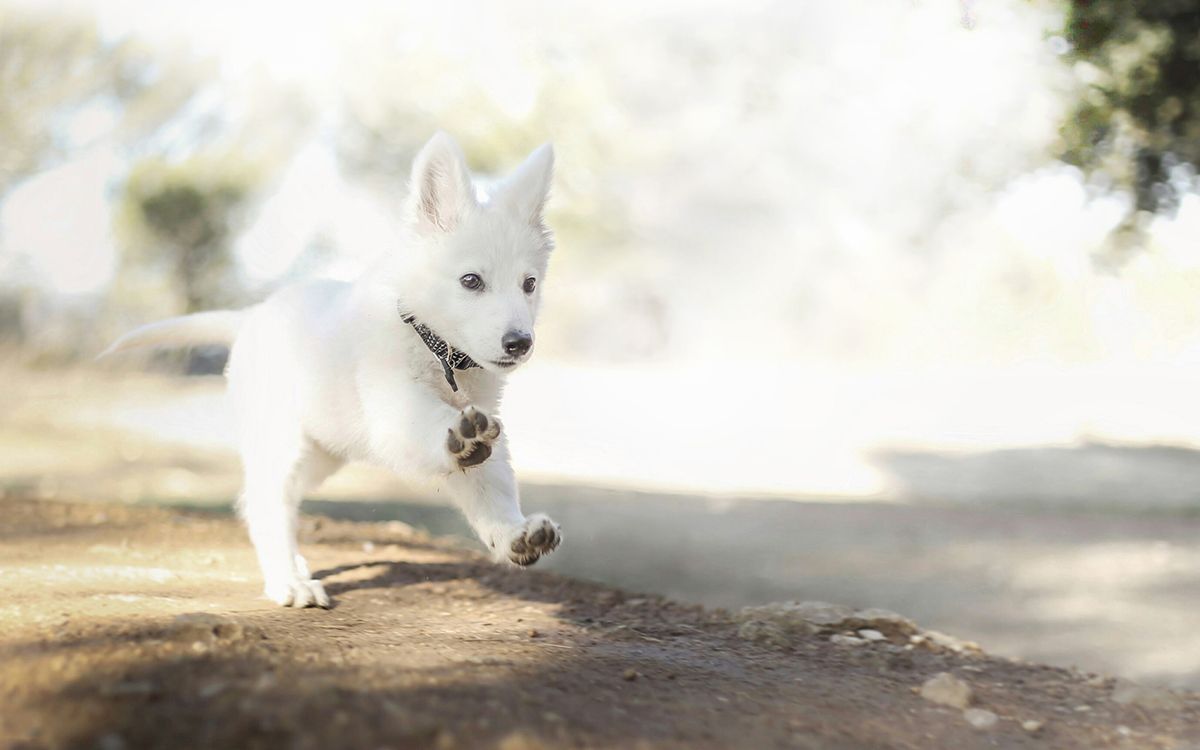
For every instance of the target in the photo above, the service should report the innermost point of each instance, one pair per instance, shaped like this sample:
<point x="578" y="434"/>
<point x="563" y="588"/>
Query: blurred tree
<point x="1137" y="123"/>
<point x="54" y="62"/>
<point x="48" y="66"/>
<point x="179" y="218"/>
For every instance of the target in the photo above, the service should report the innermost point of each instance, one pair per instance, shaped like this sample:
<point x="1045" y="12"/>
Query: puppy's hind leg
<point x="274" y="486"/>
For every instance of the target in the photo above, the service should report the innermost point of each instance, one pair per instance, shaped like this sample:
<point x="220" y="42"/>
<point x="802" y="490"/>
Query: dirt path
<point x="124" y="627"/>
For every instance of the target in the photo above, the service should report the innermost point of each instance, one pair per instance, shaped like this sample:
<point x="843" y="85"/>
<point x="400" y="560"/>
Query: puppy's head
<point x="475" y="266"/>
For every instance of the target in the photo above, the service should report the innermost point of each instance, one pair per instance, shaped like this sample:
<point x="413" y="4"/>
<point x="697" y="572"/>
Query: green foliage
<point x="1137" y="124"/>
<point x="179" y="218"/>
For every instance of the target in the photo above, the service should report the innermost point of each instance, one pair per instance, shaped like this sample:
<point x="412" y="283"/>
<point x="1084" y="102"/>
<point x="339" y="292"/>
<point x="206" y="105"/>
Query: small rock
<point x="947" y="690"/>
<point x="980" y="718"/>
<point x="1155" y="698"/>
<point x="1082" y="708"/>
<point x="885" y="621"/>
<point x="871" y="634"/>
<point x="949" y="642"/>
<point x="368" y="547"/>
<point x="630" y="675"/>
<point x="1032" y="725"/>
<point x="533" y="633"/>
<point x="846" y="640"/>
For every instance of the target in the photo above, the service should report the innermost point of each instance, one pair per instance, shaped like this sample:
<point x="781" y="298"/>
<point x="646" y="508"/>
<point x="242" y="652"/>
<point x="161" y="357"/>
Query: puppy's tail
<point x="216" y="327"/>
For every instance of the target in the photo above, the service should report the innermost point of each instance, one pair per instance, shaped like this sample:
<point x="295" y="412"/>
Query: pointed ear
<point x="440" y="191"/>
<point x="526" y="189"/>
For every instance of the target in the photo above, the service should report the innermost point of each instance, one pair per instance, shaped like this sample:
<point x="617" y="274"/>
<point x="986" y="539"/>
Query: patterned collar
<point x="450" y="358"/>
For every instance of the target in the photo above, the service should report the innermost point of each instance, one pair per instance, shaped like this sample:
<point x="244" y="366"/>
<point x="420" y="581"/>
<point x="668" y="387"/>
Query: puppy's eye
<point x="471" y="281"/>
<point x="529" y="285"/>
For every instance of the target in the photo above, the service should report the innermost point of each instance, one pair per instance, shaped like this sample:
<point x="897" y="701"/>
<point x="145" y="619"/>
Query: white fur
<point x="327" y="372"/>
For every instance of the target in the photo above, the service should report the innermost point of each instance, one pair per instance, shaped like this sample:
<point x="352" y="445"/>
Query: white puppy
<point x="403" y="367"/>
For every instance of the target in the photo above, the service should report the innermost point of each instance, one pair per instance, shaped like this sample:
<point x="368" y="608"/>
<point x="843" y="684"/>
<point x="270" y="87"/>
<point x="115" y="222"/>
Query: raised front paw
<point x="470" y="441"/>
<point x="538" y="536"/>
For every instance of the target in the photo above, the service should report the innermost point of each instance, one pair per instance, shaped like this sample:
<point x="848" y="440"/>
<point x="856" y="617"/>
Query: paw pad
<point x="539" y="537"/>
<point x="470" y="440"/>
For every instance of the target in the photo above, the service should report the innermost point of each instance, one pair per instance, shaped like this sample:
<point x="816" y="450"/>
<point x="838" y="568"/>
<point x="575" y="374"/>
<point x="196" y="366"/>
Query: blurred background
<point x="885" y="304"/>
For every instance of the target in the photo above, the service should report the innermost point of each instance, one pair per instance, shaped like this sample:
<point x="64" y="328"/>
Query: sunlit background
<point x="841" y="309"/>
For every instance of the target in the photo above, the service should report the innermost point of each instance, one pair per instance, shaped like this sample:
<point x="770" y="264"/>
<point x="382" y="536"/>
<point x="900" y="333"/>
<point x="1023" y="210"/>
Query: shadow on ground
<point x="401" y="663"/>
<point x="1103" y="590"/>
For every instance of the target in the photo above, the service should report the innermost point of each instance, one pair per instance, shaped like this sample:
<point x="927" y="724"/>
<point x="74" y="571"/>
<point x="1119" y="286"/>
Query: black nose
<point x="517" y="343"/>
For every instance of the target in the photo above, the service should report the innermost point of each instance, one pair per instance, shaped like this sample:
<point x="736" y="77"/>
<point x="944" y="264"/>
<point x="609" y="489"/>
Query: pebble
<point x="980" y="718"/>
<point x="846" y="640"/>
<point x="947" y="690"/>
<point x="630" y="675"/>
<point x="1032" y="725"/>
<point x="957" y="645"/>
<point x="871" y="634"/>
<point x="886" y="621"/>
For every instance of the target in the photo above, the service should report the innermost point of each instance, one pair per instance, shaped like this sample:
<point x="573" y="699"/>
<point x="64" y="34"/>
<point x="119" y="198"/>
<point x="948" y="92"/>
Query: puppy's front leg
<point x="486" y="490"/>
<point x="466" y="450"/>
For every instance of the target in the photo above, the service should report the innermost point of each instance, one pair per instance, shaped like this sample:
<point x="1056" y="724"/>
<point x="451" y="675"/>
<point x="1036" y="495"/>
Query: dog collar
<point x="450" y="358"/>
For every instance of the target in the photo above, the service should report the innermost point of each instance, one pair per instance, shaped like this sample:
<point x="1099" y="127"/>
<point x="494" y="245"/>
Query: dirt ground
<point x="130" y="627"/>
<point x="1111" y="591"/>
